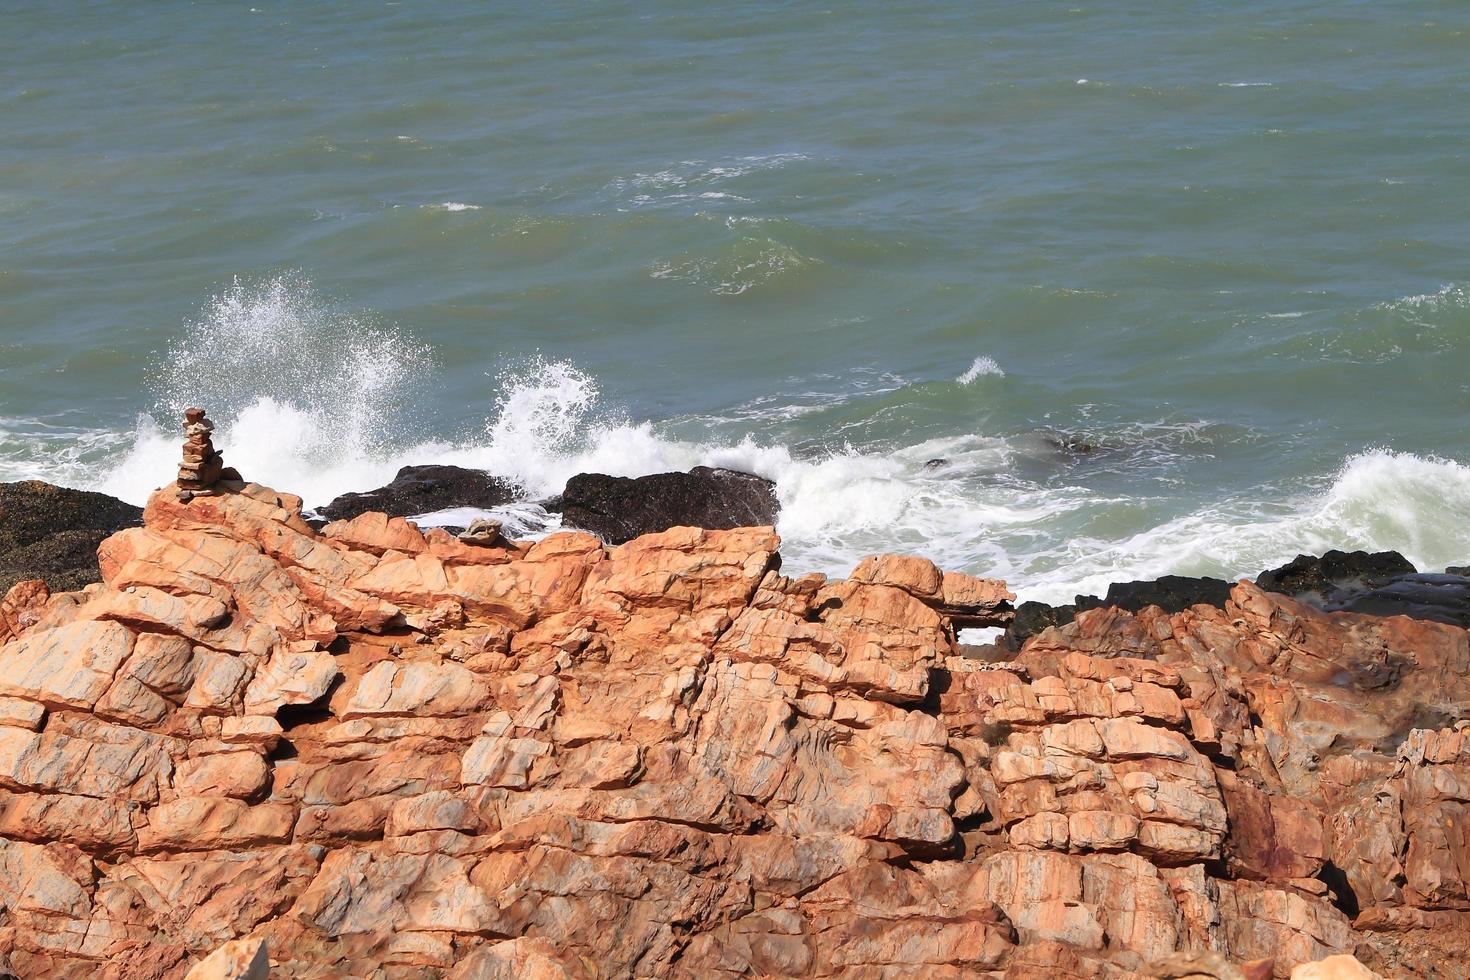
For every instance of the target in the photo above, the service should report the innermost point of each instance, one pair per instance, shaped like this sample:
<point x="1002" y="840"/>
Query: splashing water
<point x="313" y="400"/>
<point x="980" y="367"/>
<point x="305" y="396"/>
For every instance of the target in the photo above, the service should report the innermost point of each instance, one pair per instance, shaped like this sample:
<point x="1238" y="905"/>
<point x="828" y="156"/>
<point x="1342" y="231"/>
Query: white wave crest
<point x="980" y="367"/>
<point x="315" y="401"/>
<point x="305" y="396"/>
<point x="1379" y="500"/>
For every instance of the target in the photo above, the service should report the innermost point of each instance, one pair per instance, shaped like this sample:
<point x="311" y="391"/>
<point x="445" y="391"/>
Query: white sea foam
<point x="980" y="367"/>
<point x="1378" y="500"/>
<point x="1247" y="84"/>
<point x="452" y="207"/>
<point x="1450" y="294"/>
<point x="306" y="396"/>
<point x="688" y="179"/>
<point x="312" y="400"/>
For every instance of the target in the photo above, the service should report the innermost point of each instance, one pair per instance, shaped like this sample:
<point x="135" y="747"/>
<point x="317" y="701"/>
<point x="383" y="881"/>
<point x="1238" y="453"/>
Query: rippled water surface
<point x="1178" y="287"/>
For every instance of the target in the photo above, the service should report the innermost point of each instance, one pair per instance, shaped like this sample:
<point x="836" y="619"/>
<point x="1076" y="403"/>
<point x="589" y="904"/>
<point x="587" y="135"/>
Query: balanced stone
<point x="201" y="465"/>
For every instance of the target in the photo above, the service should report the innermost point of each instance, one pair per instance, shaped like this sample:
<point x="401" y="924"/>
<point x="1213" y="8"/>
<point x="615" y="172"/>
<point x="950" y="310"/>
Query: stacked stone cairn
<point x="202" y="466"/>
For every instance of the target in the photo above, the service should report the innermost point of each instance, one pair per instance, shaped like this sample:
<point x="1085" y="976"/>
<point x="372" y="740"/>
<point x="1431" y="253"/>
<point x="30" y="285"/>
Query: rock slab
<point x="619" y="509"/>
<point x="376" y="751"/>
<point x="422" y="490"/>
<point x="52" y="533"/>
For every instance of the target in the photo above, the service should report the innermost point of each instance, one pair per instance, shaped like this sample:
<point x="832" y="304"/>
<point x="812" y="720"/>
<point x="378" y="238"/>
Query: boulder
<point x="619" y="509"/>
<point x="1334" y="573"/>
<point x="424" y="489"/>
<point x="52" y="533"/>
<point x="1377" y="584"/>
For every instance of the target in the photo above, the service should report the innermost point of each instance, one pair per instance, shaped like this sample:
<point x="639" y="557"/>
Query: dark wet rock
<point x="1171" y="593"/>
<point x="1033" y="617"/>
<point x="52" y="533"/>
<point x="1072" y="444"/>
<point x="424" y="489"/>
<point x="1438" y="598"/>
<point x="936" y="463"/>
<point x="1377" y="584"/>
<point x="66" y="560"/>
<point x="31" y="510"/>
<point x="1335" y="575"/>
<point x="620" y="509"/>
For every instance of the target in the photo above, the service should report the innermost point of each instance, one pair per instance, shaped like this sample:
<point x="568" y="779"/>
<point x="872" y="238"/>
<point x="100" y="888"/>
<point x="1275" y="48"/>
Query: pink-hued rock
<point x="238" y="959"/>
<point x="389" y="753"/>
<point x="70" y="666"/>
<point x="22" y="607"/>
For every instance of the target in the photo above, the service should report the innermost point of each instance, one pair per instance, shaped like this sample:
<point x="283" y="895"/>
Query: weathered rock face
<point x="422" y="490"/>
<point x="1380" y="584"/>
<point x="620" y="509"/>
<point x="1334" y="572"/>
<point x="373" y="751"/>
<point x="53" y="533"/>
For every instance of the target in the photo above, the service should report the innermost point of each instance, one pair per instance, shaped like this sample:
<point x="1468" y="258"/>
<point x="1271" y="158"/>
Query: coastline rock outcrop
<point x="619" y="509"/>
<point x="1382" y="584"/>
<point x="53" y="532"/>
<point x="422" y="490"/>
<point x="1378" y="584"/>
<point x="378" y="751"/>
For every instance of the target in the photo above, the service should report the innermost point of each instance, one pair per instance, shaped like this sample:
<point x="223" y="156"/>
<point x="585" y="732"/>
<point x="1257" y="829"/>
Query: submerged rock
<point x="52" y="533"/>
<point x="619" y="509"/>
<point x="423" y="489"/>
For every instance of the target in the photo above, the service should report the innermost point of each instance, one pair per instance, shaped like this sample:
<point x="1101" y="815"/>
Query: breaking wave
<point x="320" y="401"/>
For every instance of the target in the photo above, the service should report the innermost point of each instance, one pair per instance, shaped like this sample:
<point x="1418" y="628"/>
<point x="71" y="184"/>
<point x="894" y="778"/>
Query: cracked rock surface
<point x="376" y="752"/>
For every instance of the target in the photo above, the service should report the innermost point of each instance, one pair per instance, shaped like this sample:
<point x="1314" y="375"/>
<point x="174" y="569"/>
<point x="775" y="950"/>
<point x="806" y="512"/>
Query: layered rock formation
<point x="377" y="752"/>
<point x="1378" y="583"/>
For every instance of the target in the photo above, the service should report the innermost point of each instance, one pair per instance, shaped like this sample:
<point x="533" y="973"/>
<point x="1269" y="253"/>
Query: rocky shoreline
<point x="362" y="749"/>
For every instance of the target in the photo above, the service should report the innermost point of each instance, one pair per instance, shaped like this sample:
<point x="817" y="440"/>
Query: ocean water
<point x="1169" y="288"/>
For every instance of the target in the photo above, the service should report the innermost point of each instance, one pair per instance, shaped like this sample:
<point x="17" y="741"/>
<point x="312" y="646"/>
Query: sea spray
<point x="307" y="397"/>
<point x="314" y="400"/>
<point x="980" y="367"/>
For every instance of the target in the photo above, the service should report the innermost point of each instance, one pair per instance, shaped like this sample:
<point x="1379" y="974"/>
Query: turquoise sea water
<point x="1226" y="246"/>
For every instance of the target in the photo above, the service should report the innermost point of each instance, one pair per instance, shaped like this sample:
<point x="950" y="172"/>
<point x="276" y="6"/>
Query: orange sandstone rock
<point x="375" y="751"/>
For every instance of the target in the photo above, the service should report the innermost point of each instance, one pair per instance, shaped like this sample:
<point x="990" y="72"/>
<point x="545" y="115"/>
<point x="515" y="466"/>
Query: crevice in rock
<point x="1342" y="894"/>
<point x="297" y="715"/>
<point x="284" y="749"/>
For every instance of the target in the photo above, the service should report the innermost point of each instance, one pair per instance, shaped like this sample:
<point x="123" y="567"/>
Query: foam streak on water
<point x="314" y="401"/>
